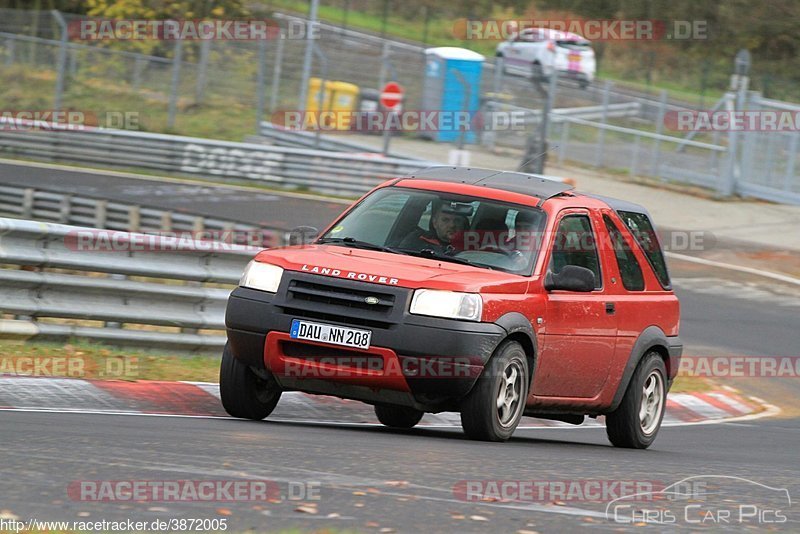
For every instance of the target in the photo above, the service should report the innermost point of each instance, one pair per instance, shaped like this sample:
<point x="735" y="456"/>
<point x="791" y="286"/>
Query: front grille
<point x="341" y="300"/>
<point x="339" y="296"/>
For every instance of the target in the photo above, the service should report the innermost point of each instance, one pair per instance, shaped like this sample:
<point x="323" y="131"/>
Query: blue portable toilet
<point x="444" y="91"/>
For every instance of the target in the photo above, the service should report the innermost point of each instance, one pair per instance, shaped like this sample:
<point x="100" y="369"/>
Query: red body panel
<point x="582" y="348"/>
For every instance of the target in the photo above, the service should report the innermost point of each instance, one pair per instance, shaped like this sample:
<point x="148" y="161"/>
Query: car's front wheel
<point x="494" y="407"/>
<point x="244" y="393"/>
<point x="398" y="416"/>
<point x="635" y="423"/>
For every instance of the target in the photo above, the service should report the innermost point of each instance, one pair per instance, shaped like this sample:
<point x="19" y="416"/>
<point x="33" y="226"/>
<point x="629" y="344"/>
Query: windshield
<point x="445" y="227"/>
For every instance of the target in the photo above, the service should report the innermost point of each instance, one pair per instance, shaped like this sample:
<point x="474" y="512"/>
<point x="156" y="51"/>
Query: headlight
<point x="448" y="304"/>
<point x="262" y="276"/>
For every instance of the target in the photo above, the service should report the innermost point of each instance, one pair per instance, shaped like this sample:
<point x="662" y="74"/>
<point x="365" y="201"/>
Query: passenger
<point x="448" y="219"/>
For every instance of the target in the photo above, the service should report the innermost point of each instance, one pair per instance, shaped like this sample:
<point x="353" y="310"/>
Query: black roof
<point x="515" y="182"/>
<point x="621" y="205"/>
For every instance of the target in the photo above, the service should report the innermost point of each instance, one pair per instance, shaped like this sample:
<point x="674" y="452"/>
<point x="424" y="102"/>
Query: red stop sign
<point x="391" y="95"/>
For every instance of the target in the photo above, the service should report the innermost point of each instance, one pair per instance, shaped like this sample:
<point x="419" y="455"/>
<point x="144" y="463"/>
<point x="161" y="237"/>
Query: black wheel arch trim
<point x="650" y="338"/>
<point x="514" y="323"/>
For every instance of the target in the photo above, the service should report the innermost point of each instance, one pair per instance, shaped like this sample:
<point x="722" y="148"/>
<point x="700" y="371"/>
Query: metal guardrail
<point x="318" y="170"/>
<point x="97" y="287"/>
<point x="626" y="109"/>
<point x="58" y="207"/>
<point x="291" y="138"/>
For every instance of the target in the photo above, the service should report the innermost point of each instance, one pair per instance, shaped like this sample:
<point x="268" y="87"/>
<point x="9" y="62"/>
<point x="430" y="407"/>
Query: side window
<point x="575" y="244"/>
<point x="629" y="269"/>
<point x="525" y="37"/>
<point x="642" y="229"/>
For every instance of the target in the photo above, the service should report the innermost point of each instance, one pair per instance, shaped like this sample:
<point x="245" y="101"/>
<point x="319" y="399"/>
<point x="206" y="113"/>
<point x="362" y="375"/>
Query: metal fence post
<point x="65" y="209"/>
<point x="599" y="159"/>
<point x="307" y="56"/>
<point x="73" y="63"/>
<point x="28" y="198"/>
<point x="562" y="147"/>
<point x="634" y="168"/>
<point x="792" y="154"/>
<point x="176" y="78"/>
<point x="134" y="218"/>
<point x="384" y="72"/>
<point x="11" y="45"/>
<point x="62" y="60"/>
<point x="202" y="69"/>
<point x="138" y="67"/>
<point x="276" y="75"/>
<point x="497" y="82"/>
<point x="260" y="81"/>
<point x="101" y="214"/>
<point x="662" y="108"/>
<point x="321" y="94"/>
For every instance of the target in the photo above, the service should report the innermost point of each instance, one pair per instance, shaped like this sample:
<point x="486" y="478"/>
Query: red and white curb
<point x="201" y="399"/>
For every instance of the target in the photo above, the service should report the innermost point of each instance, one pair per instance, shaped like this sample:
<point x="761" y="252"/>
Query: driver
<point x="448" y="219"/>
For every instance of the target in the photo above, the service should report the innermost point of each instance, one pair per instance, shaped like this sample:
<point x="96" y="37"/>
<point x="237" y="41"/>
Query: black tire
<point x="624" y="426"/>
<point x="481" y="419"/>
<point x="583" y="84"/>
<point x="398" y="416"/>
<point x="245" y="394"/>
<point x="537" y="74"/>
<point x="501" y="57"/>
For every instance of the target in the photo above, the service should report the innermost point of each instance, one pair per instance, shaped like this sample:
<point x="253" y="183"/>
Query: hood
<point x="385" y="268"/>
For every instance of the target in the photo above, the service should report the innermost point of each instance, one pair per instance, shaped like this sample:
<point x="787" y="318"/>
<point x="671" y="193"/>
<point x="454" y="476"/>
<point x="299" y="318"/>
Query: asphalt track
<point x="250" y="205"/>
<point x="372" y="478"/>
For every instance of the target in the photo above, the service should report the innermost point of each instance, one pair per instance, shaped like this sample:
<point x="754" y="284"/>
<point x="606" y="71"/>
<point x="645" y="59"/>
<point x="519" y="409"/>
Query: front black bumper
<point x="417" y="341"/>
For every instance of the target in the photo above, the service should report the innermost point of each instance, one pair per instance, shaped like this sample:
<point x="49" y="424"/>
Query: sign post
<point x="390" y="100"/>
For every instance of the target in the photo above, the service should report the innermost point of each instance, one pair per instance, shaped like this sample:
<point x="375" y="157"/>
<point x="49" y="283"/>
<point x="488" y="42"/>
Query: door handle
<point x="611" y="308"/>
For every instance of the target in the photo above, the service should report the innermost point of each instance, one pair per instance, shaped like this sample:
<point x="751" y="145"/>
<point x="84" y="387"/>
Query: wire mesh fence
<point x="225" y="89"/>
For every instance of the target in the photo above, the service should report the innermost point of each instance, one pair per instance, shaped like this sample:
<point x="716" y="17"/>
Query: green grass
<point x="89" y="360"/>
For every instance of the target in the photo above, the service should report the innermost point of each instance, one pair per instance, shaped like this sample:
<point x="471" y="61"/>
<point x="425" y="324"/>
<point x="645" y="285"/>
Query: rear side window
<point x="629" y="269"/>
<point x="642" y="229"/>
<point x="575" y="244"/>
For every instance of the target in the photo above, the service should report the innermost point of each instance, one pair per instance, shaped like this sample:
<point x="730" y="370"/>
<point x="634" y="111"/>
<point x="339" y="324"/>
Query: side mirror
<point x="570" y="278"/>
<point x="302" y="235"/>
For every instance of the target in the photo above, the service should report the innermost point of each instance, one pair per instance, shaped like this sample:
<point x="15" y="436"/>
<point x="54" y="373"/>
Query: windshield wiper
<point x="430" y="253"/>
<point x="355" y="243"/>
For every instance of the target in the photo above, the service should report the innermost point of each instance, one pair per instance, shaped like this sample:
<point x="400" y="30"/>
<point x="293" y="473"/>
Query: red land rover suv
<point x="493" y="294"/>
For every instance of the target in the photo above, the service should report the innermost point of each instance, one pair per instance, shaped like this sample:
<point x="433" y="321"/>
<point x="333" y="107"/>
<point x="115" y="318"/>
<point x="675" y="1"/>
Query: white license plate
<point x="328" y="333"/>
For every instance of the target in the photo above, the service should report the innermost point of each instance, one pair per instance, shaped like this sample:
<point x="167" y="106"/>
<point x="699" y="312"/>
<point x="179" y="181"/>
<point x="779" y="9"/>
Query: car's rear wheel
<point x="244" y="393"/>
<point x="537" y="73"/>
<point x="635" y="423"/>
<point x="398" y="416"/>
<point x="494" y="407"/>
